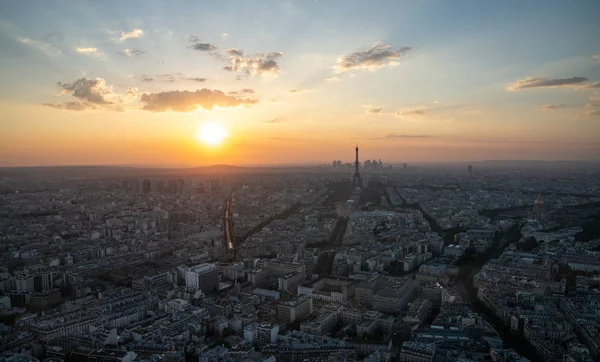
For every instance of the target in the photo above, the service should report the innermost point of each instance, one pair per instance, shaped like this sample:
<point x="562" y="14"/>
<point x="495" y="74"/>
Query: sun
<point x="211" y="133"/>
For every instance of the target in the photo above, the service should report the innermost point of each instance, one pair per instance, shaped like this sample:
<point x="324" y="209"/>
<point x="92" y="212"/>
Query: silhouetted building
<point x="356" y="181"/>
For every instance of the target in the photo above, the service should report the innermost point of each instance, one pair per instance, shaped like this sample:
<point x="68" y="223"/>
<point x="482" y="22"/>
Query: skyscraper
<point x="356" y="181"/>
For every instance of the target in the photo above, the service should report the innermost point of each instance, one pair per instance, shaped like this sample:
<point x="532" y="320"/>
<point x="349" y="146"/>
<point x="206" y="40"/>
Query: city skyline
<point x="296" y="82"/>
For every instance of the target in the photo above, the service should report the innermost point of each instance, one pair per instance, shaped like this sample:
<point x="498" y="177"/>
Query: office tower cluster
<point x="368" y="165"/>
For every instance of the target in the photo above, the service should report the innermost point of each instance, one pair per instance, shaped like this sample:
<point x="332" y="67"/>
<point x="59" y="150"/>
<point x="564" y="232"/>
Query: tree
<point x="395" y="267"/>
<point x="351" y="332"/>
<point x="227" y="331"/>
<point x="528" y="244"/>
<point x="377" y="335"/>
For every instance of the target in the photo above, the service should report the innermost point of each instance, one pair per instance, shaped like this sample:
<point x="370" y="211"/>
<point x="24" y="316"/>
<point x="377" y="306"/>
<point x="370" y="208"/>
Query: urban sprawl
<point x="490" y="262"/>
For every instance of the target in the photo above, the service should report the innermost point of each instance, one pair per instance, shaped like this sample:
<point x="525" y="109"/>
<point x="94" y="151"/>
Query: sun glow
<point x="211" y="134"/>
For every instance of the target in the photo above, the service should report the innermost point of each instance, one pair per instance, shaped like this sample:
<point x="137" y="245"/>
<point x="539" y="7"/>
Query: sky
<point x="298" y="81"/>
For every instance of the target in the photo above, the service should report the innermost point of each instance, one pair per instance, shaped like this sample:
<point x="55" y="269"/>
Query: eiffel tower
<point x="356" y="181"/>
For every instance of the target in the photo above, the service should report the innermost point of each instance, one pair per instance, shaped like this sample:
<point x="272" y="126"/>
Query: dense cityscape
<point x="495" y="261"/>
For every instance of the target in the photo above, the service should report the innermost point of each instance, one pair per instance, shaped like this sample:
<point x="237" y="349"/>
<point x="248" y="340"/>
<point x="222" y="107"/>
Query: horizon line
<point x="295" y="164"/>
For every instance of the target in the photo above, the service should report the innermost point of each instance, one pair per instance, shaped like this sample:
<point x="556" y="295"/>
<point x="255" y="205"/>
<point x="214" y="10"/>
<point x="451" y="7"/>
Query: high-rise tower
<point x="356" y="181"/>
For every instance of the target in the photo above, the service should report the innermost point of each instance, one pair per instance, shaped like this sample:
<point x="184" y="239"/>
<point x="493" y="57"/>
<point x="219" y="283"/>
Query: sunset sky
<point x="298" y="81"/>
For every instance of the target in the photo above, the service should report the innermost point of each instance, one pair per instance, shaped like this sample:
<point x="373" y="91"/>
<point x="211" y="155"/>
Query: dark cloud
<point x="273" y="55"/>
<point x="296" y="90"/>
<point x="550" y="107"/>
<point x="375" y="110"/>
<point x="196" y="79"/>
<point x="395" y="135"/>
<point x="235" y="52"/>
<point x="186" y="101"/>
<point x="193" y="38"/>
<point x="71" y="106"/>
<point x="273" y="120"/>
<point x="89" y="90"/>
<point x="147" y="78"/>
<point x="529" y="83"/>
<point x="248" y="91"/>
<point x="378" y="56"/>
<point x="257" y="65"/>
<point x="91" y="94"/>
<point x="205" y="47"/>
<point x="168" y="77"/>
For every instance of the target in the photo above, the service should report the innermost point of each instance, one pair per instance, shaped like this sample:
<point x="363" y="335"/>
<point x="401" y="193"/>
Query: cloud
<point x="235" y="52"/>
<point x="133" y="52"/>
<point x="134" y="33"/>
<point x="550" y="107"/>
<point x="529" y="83"/>
<point x="258" y="65"/>
<point x="92" y="93"/>
<point x="594" y="101"/>
<point x="225" y="35"/>
<point x="596" y="58"/>
<point x="88" y="90"/>
<point x="296" y="90"/>
<point x="88" y="51"/>
<point x="591" y="108"/>
<point x="70" y="106"/>
<point x="593" y="85"/>
<point x="193" y="38"/>
<point x="332" y="79"/>
<point x="273" y="120"/>
<point x="395" y="135"/>
<point x="42" y="46"/>
<point x="205" y="47"/>
<point x="248" y="91"/>
<point x="131" y="92"/>
<point x="372" y="110"/>
<point x="410" y="113"/>
<point x="171" y="77"/>
<point x="592" y="113"/>
<point x="378" y="56"/>
<point x="186" y="101"/>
